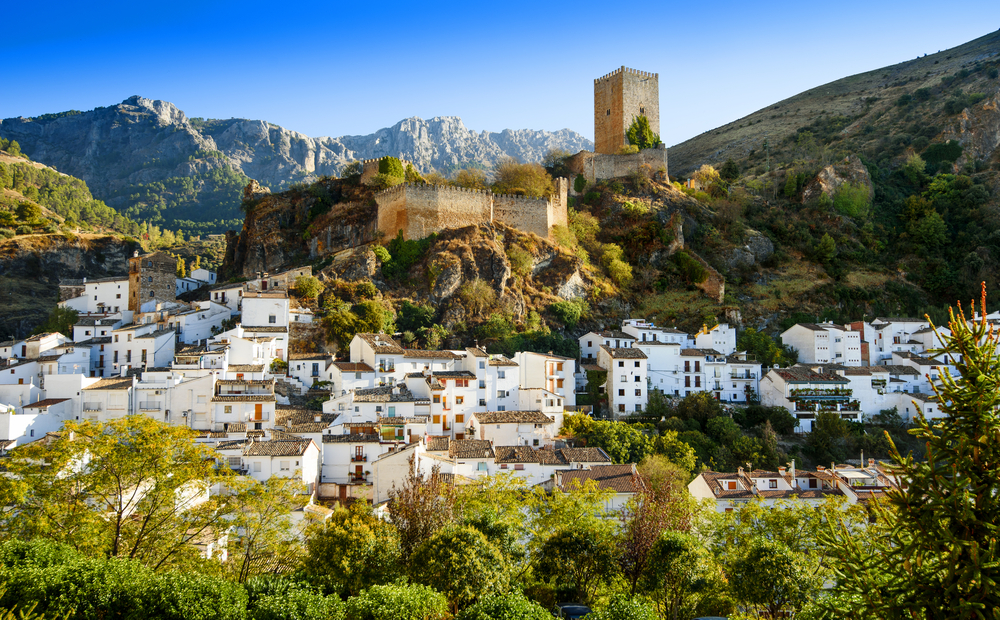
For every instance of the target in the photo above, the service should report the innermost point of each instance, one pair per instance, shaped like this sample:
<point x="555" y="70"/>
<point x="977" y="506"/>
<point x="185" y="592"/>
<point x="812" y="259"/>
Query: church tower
<point x="620" y="97"/>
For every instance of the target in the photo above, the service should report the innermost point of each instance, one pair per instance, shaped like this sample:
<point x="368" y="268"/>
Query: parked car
<point x="571" y="611"/>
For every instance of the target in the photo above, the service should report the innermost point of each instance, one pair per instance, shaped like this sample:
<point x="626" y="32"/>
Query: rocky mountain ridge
<point x="149" y="160"/>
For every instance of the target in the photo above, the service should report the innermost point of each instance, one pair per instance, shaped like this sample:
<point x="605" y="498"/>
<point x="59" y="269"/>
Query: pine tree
<point x="641" y="135"/>
<point x="932" y="552"/>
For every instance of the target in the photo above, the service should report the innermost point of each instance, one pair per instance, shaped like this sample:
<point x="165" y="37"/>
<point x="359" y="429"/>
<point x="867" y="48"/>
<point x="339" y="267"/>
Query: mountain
<point x="905" y="101"/>
<point x="147" y="159"/>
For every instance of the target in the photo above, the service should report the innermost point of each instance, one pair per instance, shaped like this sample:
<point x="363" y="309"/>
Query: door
<point x="258" y="411"/>
<point x="359" y="472"/>
<point x="263" y="285"/>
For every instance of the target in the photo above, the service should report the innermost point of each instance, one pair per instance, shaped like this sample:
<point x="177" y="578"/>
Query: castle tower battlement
<point x="620" y="97"/>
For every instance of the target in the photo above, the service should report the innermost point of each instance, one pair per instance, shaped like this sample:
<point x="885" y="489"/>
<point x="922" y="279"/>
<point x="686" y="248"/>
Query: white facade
<point x="627" y="379"/>
<point x="101" y="295"/>
<point x="824" y="343"/>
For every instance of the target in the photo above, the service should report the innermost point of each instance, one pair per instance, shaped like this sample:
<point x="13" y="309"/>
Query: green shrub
<point x="382" y="254"/>
<point x="620" y="272"/>
<point x="694" y="272"/>
<point x="308" y="287"/>
<point x="616" y="187"/>
<point x="592" y="198"/>
<point x="477" y="296"/>
<point x="298" y="605"/>
<point x="521" y="260"/>
<point x="579" y="184"/>
<point x="403" y="254"/>
<point x="398" y="602"/>
<point x="390" y="166"/>
<point x="635" y="208"/>
<point x="382" y="181"/>
<point x="568" y="312"/>
<point x="628" y="149"/>
<point x="852" y="200"/>
<point x="641" y="134"/>
<point x="365" y="290"/>
<point x="513" y="606"/>
<point x="24" y="230"/>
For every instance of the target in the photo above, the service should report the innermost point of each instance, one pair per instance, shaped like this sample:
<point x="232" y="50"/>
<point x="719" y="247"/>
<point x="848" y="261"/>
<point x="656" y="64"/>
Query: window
<point x="731" y="485"/>
<point x="501" y="374"/>
<point x="772" y="484"/>
<point x="638" y="407"/>
<point x="534" y="442"/>
<point x="621" y="392"/>
<point x="272" y="319"/>
<point x="687" y="381"/>
<point x="638" y="379"/>
<point x="228" y="409"/>
<point x="637" y="364"/>
<point x="482" y="365"/>
<point x="459" y="400"/>
<point x="503" y="466"/>
<point x="621" y="364"/>
<point x="697" y="365"/>
<point x="118" y="295"/>
<point x="283" y="466"/>
<point x="518" y="466"/>
<point x="436" y="419"/>
<point x="86" y="333"/>
<point x="481" y="466"/>
<point x="130" y="337"/>
<point x="559" y="367"/>
<point x="392" y="411"/>
<point x="437" y="399"/>
<point x="697" y="381"/>
<point x="256" y="467"/>
<point x="621" y="408"/>
<point x="482" y="402"/>
<point x="501" y="408"/>
<point x="624" y="378"/>
<point x="590" y="343"/>
<point x="482" y="385"/>
<point x="150" y="278"/>
<point x="638" y="392"/>
<point x="500" y="393"/>
<point x="459" y="418"/>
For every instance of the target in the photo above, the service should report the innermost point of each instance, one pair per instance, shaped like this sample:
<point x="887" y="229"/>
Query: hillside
<point x="861" y="107"/>
<point x="151" y="162"/>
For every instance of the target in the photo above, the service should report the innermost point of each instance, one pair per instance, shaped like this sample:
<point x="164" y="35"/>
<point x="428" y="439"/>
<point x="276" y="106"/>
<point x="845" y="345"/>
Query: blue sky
<point x="330" y="69"/>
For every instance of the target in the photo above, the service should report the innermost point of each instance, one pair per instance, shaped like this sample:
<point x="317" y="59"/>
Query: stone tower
<point x="619" y="97"/>
<point x="151" y="277"/>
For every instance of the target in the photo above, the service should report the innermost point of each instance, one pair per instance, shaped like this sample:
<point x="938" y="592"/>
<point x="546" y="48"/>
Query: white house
<point x="298" y="459"/>
<point x="627" y="378"/>
<point x="513" y="428"/>
<point x="824" y="343"/>
<point x="553" y="373"/>
<point x="100" y="295"/>
<point x="591" y="342"/>
<point x="623" y="480"/>
<point x="806" y="392"/>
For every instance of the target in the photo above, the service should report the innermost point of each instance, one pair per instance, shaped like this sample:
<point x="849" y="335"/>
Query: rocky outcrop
<point x="849" y="170"/>
<point x="978" y="130"/>
<point x="142" y="141"/>
<point x="33" y="266"/>
<point x="756" y="249"/>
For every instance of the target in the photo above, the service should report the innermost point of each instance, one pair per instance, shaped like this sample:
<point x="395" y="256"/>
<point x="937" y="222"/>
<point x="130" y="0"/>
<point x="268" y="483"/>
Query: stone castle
<point x="418" y="210"/>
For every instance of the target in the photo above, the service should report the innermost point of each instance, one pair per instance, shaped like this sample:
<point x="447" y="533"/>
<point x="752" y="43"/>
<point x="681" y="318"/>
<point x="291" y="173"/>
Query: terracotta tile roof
<point x="246" y="368"/>
<point x="277" y="435"/>
<point x="381" y="343"/>
<point x="515" y="454"/>
<point x="94" y="341"/>
<point x="500" y="360"/>
<point x="309" y="356"/>
<point x="236" y="427"/>
<point x="453" y="374"/>
<point x="244" y="398"/>
<point x="547" y="456"/>
<point x="112" y="383"/>
<point x="48" y="402"/>
<point x="383" y="395"/>
<point x="618" y="478"/>
<point x="614" y="333"/>
<point x="244" y="381"/>
<point x="624" y="353"/>
<point x="801" y="374"/>
<point x="419" y="353"/>
<point x="308" y="427"/>
<point x="901" y="369"/>
<point x="513" y="417"/>
<point x="476" y="352"/>
<point x="584" y="455"/>
<point x="236" y="444"/>
<point x="278" y="448"/>
<point x="353" y="367"/>
<point x="265" y="329"/>
<point x="699" y="352"/>
<point x="437" y="444"/>
<point x="352" y="438"/>
<point x="288" y="415"/>
<point x="218" y="435"/>
<point x="470" y="449"/>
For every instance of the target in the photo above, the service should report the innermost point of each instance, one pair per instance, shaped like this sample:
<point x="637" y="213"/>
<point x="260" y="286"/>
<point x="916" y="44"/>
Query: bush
<point x="381" y="181"/>
<point x="308" y="287"/>
<point x="579" y="184"/>
<point x="521" y="261"/>
<point x="398" y="602"/>
<point x="382" y="254"/>
<point x="637" y="208"/>
<point x="621" y="607"/>
<point x="641" y="134"/>
<point x="402" y="254"/>
<point x="25" y="230"/>
<point x="414" y="317"/>
<point x="568" y="312"/>
<point x="513" y="606"/>
<point x="365" y="290"/>
<point x="297" y="605"/>
<point x="462" y="563"/>
<point x="477" y="296"/>
<point x="628" y="149"/>
<point x="522" y="179"/>
<point x="852" y="200"/>
<point x="390" y="166"/>
<point x="694" y="272"/>
<point x="592" y="198"/>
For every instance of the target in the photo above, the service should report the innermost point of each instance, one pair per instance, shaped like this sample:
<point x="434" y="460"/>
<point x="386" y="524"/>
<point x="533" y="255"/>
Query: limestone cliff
<point x="33" y="266"/>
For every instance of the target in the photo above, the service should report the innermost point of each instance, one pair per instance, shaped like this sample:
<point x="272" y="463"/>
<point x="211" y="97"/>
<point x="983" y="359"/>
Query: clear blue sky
<point x="331" y="68"/>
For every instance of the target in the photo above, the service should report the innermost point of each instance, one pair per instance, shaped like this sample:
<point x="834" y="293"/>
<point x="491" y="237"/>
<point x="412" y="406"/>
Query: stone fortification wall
<point x="597" y="166"/>
<point x="418" y="210"/>
<point x="619" y="97"/>
<point x="369" y="168"/>
<point x="151" y="276"/>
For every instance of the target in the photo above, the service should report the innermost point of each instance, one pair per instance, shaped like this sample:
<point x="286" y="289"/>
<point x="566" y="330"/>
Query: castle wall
<point x="619" y="97"/>
<point x="597" y="166"/>
<point x="527" y="214"/>
<point x="151" y="277"/>
<point x="419" y="210"/>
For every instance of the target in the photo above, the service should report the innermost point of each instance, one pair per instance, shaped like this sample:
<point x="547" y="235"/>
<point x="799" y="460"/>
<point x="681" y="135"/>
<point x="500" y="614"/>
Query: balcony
<point x="359" y="458"/>
<point x="388" y="368"/>
<point x="819" y="394"/>
<point x="91" y="406"/>
<point x="150" y="406"/>
<point x="746" y="375"/>
<point x="359" y="477"/>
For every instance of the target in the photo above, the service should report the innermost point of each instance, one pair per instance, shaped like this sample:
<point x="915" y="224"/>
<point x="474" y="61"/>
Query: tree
<point x="181" y="268"/>
<point x="641" y="134"/>
<point x="308" y="287"/>
<point x="414" y="317"/>
<point x="578" y="559"/>
<point x="827" y="441"/>
<point x="680" y="574"/>
<point x="770" y="579"/>
<point x="391" y="166"/>
<point x="661" y="504"/>
<point x="398" y="602"/>
<point x="61" y="320"/>
<point x="462" y="564"/>
<point x="352" y="551"/>
<point x="267" y="540"/>
<point x="130" y="488"/>
<point x="852" y="200"/>
<point x="511" y="177"/>
<point x="297" y="604"/>
<point x="471" y="178"/>
<point x="28" y="212"/>
<point x="826" y="249"/>
<point x="730" y="171"/>
<point x="767" y="351"/>
<point x="420" y="508"/>
<point x="934" y="551"/>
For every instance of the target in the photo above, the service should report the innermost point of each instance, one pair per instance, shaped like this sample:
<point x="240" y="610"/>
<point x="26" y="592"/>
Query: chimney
<point x="871" y="463"/>
<point x="318" y="417"/>
<point x="820" y="468"/>
<point x="739" y="470"/>
<point x="781" y="470"/>
<point x="792" y="464"/>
